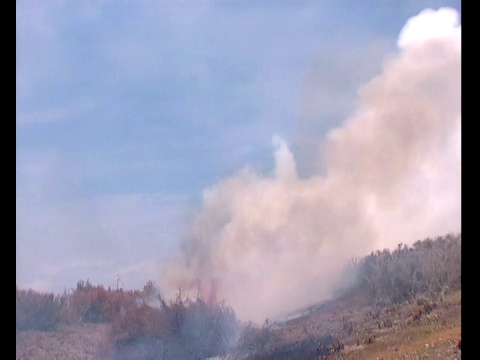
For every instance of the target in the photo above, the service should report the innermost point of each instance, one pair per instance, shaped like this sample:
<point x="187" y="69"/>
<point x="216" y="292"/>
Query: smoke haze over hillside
<point x="270" y="243"/>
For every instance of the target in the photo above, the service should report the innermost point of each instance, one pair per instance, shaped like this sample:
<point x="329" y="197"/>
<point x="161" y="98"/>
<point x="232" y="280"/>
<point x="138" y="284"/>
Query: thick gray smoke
<point x="270" y="244"/>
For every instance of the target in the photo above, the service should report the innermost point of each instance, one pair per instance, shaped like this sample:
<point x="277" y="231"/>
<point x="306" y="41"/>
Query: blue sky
<point x="126" y="111"/>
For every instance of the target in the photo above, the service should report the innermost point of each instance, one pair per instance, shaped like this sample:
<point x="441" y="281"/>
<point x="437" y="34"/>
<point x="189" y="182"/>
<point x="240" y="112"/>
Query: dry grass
<point x="89" y="342"/>
<point x="420" y="329"/>
<point x="435" y="335"/>
<point x="419" y="343"/>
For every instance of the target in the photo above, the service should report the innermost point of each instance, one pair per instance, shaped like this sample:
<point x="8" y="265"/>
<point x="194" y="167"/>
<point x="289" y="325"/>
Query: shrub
<point x="428" y="267"/>
<point x="181" y="329"/>
<point x="36" y="311"/>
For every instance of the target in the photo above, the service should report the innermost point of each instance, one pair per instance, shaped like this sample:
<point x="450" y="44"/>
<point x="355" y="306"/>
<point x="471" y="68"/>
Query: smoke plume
<point x="270" y="244"/>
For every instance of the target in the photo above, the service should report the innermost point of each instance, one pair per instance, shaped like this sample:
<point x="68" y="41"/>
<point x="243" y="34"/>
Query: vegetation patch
<point x="402" y="304"/>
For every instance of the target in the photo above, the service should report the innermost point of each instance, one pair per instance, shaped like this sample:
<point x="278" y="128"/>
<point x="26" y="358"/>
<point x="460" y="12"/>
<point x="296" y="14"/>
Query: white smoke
<point x="271" y="244"/>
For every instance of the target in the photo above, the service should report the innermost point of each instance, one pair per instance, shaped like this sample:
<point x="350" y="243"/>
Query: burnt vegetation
<point x="145" y="326"/>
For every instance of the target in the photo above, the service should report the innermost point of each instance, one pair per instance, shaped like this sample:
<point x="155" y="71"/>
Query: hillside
<point x="413" y="313"/>
<point x="415" y="329"/>
<point x="365" y="332"/>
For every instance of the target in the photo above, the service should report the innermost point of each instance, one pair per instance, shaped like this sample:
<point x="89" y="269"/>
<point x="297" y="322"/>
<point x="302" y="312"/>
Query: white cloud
<point x="430" y="24"/>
